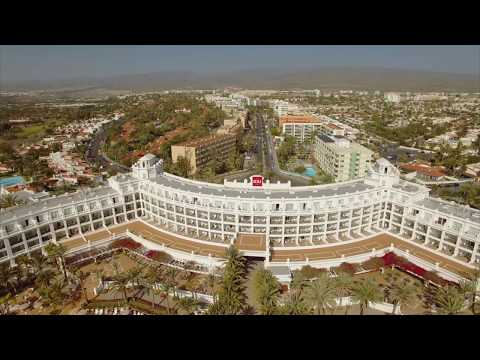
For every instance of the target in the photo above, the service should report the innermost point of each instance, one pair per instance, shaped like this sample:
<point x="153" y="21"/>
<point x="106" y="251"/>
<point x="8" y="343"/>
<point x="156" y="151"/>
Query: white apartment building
<point x="290" y="220"/>
<point x="281" y="107"/>
<point x="341" y="158"/>
<point x="393" y="97"/>
<point x="303" y="127"/>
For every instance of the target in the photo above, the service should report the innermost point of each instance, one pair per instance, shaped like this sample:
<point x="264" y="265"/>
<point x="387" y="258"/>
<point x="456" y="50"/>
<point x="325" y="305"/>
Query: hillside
<point x="321" y="78"/>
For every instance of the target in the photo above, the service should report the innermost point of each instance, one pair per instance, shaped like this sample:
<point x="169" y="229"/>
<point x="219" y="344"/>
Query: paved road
<point x="265" y="143"/>
<point x="95" y="156"/>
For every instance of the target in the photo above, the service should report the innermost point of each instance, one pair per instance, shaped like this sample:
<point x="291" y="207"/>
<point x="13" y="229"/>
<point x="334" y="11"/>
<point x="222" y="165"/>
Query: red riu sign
<point x="257" y="180"/>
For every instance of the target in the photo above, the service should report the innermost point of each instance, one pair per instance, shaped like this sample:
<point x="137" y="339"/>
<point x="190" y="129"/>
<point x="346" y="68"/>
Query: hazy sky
<point x="23" y="63"/>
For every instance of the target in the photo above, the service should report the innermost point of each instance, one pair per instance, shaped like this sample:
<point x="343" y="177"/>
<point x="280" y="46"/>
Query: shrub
<point x="300" y="169"/>
<point x="309" y="272"/>
<point x="347" y="268"/>
<point x="159" y="256"/>
<point x="374" y="263"/>
<point x="125" y="243"/>
<point x="434" y="278"/>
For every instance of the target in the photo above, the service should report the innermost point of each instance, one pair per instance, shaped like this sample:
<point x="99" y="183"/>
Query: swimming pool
<point x="13" y="180"/>
<point x="310" y="171"/>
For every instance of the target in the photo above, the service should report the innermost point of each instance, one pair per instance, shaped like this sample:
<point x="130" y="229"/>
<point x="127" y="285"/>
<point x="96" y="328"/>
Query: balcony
<point x="332" y="217"/>
<point x="276" y="231"/>
<point x="259" y="230"/>
<point x="422" y="228"/>
<point x="229" y="228"/>
<point x="432" y="244"/>
<point x="450" y="238"/>
<point x="464" y="256"/>
<point x="305" y="219"/>
<point x="305" y="230"/>
<point x="291" y="220"/>
<point x="215" y="216"/>
<point x="467" y="244"/>
<point x="276" y="220"/>
<point x="259" y="220"/>
<point x="245" y="220"/>
<point x="229" y="218"/>
<point x="202" y="215"/>
<point x="447" y="250"/>
<point x="332" y="227"/>
<point x="420" y="239"/>
<point x="215" y="226"/>
<point x="319" y="218"/>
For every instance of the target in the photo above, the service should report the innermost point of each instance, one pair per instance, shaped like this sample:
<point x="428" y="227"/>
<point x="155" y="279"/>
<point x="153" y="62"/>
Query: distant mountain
<point x="319" y="78"/>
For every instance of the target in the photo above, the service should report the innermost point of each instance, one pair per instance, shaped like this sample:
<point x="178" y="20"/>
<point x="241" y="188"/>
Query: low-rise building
<point x="424" y="171"/>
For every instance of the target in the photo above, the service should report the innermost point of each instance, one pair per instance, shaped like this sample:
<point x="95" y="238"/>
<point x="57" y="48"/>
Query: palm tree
<point x="9" y="277"/>
<point x="470" y="287"/>
<point x="152" y="278"/>
<point x="166" y="289"/>
<point x="234" y="258"/>
<point x="267" y="291"/>
<point x="10" y="200"/>
<point x="45" y="277"/>
<point x="365" y="291"/>
<point x="450" y="300"/>
<point x="171" y="275"/>
<point x="295" y="304"/>
<point x="320" y="294"/>
<point x="81" y="276"/>
<point x="23" y="262"/>
<point x="402" y="294"/>
<point x="52" y="295"/>
<point x="57" y="251"/>
<point x="5" y="302"/>
<point x="120" y="283"/>
<point x="188" y="304"/>
<point x="38" y="262"/>
<point x="342" y="285"/>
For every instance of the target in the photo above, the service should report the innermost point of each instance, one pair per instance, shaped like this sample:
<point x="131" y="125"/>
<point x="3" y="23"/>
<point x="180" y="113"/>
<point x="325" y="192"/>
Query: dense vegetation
<point x="154" y="126"/>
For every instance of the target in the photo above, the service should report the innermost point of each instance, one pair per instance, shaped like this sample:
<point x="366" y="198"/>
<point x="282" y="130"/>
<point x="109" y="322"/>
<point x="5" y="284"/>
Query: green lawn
<point x="34" y="130"/>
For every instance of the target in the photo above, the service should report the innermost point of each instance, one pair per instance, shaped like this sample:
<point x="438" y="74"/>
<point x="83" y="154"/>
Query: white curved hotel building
<point x="318" y="225"/>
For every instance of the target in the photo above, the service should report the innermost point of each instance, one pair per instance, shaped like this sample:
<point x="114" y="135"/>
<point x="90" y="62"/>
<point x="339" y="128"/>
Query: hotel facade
<point x="317" y="225"/>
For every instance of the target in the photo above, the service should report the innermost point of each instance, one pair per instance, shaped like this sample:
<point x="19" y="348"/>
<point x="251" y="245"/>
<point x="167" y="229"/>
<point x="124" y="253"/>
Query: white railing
<point x="448" y="275"/>
<point x="380" y="306"/>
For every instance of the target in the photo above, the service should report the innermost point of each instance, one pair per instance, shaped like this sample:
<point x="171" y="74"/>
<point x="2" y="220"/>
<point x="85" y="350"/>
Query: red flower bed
<point x="348" y="268"/>
<point x="152" y="254"/>
<point x="126" y="243"/>
<point x="390" y="259"/>
<point x="158" y="256"/>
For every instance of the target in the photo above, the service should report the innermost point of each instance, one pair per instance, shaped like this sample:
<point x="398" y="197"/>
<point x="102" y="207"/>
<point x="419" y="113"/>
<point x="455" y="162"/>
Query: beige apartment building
<point x="342" y="158"/>
<point x="200" y="151"/>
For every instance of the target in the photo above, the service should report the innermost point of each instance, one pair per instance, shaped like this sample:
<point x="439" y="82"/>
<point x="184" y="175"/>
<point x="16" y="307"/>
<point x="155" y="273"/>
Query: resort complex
<point x="238" y="192"/>
<point x="287" y="227"/>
